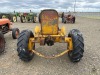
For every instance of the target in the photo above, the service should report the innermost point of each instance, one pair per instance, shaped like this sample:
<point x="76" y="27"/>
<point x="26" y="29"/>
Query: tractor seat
<point x="49" y="22"/>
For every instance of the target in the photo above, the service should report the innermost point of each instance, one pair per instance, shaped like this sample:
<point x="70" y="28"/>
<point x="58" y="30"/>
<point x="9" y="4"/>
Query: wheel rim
<point x="3" y="16"/>
<point x="2" y="44"/>
<point x="14" y="19"/>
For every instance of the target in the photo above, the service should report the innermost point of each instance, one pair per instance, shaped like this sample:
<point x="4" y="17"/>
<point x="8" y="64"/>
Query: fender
<point x="5" y="21"/>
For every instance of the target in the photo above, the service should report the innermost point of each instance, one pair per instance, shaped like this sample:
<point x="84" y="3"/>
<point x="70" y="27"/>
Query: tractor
<point x="11" y="16"/>
<point x="28" y="17"/>
<point x="68" y="18"/>
<point x="49" y="33"/>
<point x="5" y="27"/>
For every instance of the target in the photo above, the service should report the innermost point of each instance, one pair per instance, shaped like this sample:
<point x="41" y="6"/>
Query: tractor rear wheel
<point x="2" y="42"/>
<point x="14" y="19"/>
<point x="4" y="16"/>
<point x="73" y="20"/>
<point x="22" y="19"/>
<point x="78" y="45"/>
<point x="34" y="19"/>
<point x="15" y="33"/>
<point x="22" y="45"/>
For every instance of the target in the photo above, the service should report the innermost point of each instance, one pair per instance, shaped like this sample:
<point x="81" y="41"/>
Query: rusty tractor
<point x="5" y="27"/>
<point x="49" y="33"/>
<point x="69" y="18"/>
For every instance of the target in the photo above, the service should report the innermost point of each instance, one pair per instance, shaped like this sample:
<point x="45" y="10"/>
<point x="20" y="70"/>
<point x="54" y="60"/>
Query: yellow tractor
<point x="49" y="33"/>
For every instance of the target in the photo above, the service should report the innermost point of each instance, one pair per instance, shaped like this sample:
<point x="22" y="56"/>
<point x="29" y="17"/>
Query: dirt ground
<point x="10" y="64"/>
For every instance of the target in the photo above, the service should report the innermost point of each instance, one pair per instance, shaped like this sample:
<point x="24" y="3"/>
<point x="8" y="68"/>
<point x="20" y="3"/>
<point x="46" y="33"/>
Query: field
<point x="10" y="64"/>
<point x="91" y="15"/>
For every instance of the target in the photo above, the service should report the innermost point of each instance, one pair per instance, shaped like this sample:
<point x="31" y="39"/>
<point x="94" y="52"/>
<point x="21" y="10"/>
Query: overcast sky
<point x="60" y="5"/>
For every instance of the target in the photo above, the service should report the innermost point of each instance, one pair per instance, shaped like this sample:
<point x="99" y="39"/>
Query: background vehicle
<point x="69" y="18"/>
<point x="11" y="16"/>
<point x="5" y="27"/>
<point x="26" y="17"/>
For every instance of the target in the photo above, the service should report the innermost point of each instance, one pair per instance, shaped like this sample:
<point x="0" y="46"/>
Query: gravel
<point x="10" y="64"/>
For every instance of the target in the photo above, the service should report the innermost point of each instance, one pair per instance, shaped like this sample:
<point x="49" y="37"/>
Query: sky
<point x="59" y="5"/>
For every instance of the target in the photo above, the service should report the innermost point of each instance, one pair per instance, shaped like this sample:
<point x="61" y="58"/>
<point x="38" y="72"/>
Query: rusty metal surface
<point x="49" y="21"/>
<point x="49" y="17"/>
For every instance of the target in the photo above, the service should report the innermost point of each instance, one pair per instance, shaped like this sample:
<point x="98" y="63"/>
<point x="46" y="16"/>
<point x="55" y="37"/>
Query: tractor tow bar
<point x="50" y="57"/>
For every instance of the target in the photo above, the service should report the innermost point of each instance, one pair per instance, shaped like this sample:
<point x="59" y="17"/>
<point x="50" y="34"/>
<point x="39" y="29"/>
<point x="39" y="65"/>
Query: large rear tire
<point x="34" y="19"/>
<point x="73" y="20"/>
<point x="2" y="42"/>
<point x="22" y="46"/>
<point x="22" y="19"/>
<point x="78" y="45"/>
<point x="14" y="18"/>
<point x="4" y="16"/>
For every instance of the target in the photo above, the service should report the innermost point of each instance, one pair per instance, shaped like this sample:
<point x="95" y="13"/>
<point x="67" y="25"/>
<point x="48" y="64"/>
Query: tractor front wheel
<point x="78" y="45"/>
<point x="2" y="42"/>
<point x="22" y="45"/>
<point x="15" y="33"/>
